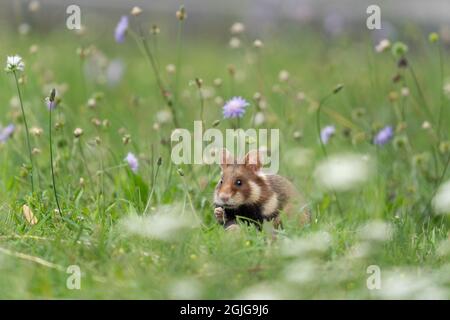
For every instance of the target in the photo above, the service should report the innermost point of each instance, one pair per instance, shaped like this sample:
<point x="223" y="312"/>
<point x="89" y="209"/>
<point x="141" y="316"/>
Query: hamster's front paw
<point x="219" y="213"/>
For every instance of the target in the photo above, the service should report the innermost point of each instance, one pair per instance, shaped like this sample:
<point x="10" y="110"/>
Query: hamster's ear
<point x="252" y="160"/>
<point x="225" y="158"/>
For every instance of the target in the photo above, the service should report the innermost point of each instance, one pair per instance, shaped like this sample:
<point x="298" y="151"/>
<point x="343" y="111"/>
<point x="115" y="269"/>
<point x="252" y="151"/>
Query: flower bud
<point x="78" y="132"/>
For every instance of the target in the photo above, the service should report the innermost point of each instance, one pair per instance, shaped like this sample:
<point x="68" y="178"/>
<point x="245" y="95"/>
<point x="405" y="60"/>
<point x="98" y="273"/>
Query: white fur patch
<point x="255" y="192"/>
<point x="262" y="175"/>
<point x="270" y="206"/>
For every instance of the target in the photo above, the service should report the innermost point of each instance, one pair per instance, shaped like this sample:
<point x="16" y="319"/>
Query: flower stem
<point x="322" y="145"/>
<point x="151" y="58"/>
<point x="194" y="212"/>
<point x="51" y="161"/>
<point x="202" y="105"/>
<point x="441" y="106"/>
<point x="421" y="95"/>
<point x="153" y="189"/>
<point x="178" y="63"/>
<point x="27" y="131"/>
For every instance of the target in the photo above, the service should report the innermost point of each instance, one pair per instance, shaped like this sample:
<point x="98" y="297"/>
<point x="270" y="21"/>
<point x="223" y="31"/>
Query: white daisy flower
<point x="343" y="172"/>
<point x="441" y="201"/>
<point x="14" y="63"/>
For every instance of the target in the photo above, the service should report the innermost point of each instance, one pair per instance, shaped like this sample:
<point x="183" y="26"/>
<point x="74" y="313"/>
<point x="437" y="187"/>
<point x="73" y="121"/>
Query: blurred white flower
<point x="166" y="223"/>
<point x="208" y="92"/>
<point x="14" y="102"/>
<point x="34" y="5"/>
<point x="312" y="243"/>
<point x="382" y="45"/>
<point x="375" y="230"/>
<point x="170" y="68"/>
<point x="300" y="157"/>
<point x="114" y="72"/>
<point x="360" y="250"/>
<point x="219" y="101"/>
<point x="342" y="172"/>
<point x="283" y="76"/>
<point x="259" y="119"/>
<point x="24" y="29"/>
<point x="426" y="125"/>
<point x="443" y="248"/>
<point x="235" y="43"/>
<point x="237" y="28"/>
<point x="447" y="89"/>
<point x="405" y="91"/>
<point x="406" y="285"/>
<point x="164" y="116"/>
<point x="14" y="63"/>
<point x="261" y="291"/>
<point x="258" y="43"/>
<point x="301" y="271"/>
<point x="185" y="289"/>
<point x="441" y="201"/>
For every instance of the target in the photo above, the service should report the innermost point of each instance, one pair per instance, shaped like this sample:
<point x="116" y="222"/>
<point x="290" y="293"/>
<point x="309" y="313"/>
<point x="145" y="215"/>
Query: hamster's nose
<point x="224" y="197"/>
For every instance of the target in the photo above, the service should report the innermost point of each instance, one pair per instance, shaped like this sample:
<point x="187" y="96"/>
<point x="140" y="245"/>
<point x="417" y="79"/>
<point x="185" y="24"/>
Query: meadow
<point x="146" y="230"/>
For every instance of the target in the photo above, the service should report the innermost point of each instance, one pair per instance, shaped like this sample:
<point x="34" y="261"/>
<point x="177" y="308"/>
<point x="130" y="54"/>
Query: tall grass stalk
<point x="52" y="99"/>
<point x="319" y="129"/>
<point x="26" y="131"/>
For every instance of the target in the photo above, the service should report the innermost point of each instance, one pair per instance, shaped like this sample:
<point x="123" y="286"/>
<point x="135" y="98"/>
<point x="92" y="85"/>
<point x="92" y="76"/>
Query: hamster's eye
<point x="221" y="181"/>
<point x="238" y="182"/>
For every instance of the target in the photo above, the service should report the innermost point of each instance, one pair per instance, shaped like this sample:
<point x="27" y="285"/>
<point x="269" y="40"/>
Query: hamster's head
<point x="241" y="182"/>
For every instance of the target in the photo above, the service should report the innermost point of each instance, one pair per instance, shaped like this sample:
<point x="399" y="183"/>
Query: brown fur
<point x="265" y="195"/>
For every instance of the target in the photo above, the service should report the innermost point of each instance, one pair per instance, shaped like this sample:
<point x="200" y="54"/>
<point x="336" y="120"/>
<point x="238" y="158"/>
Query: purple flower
<point x="132" y="162"/>
<point x="51" y="105"/>
<point x="235" y="107"/>
<point x="6" y="132"/>
<point x="326" y="133"/>
<point x="121" y="29"/>
<point x="383" y="136"/>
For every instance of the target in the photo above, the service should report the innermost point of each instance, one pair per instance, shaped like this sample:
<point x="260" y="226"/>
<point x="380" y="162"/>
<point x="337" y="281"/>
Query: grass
<point x="327" y="258"/>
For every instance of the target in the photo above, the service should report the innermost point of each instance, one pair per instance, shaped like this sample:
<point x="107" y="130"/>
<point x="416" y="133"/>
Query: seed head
<point x="36" y="131"/>
<point x="258" y="43"/>
<point x="126" y="139"/>
<point x="231" y="70"/>
<point x="283" y="76"/>
<point x="34" y="6"/>
<point x="34" y="48"/>
<point x="198" y="82"/>
<point x="181" y="13"/>
<point x="155" y="30"/>
<point x="338" y="88"/>
<point x="433" y="37"/>
<point x="444" y="147"/>
<point x="78" y="132"/>
<point x="297" y="135"/>
<point x="237" y="28"/>
<point x="426" y="125"/>
<point x="136" y="11"/>
<point x="235" y="43"/>
<point x="399" y="49"/>
<point x="217" y="82"/>
<point x="170" y="68"/>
